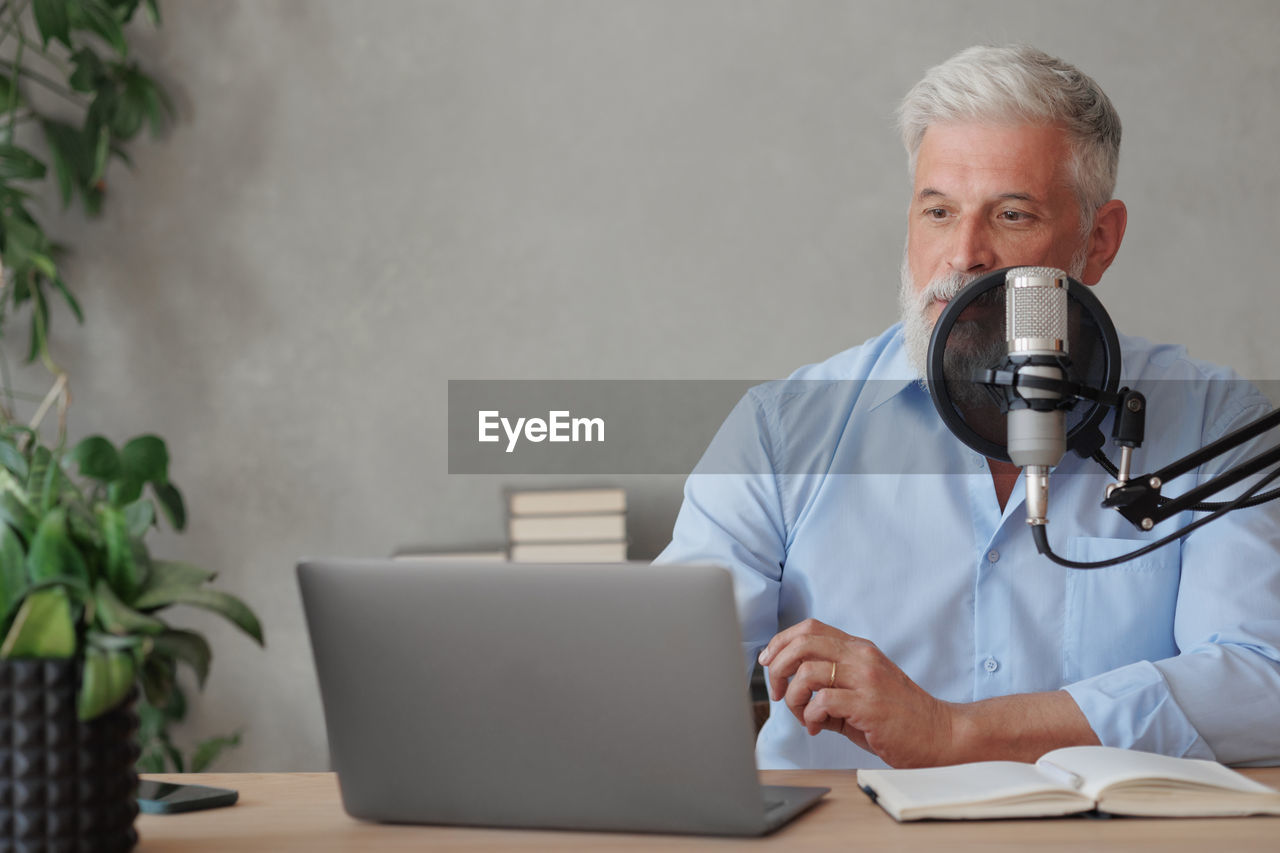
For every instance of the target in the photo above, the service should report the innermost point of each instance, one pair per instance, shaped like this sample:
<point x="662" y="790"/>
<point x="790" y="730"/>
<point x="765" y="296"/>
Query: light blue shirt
<point x="839" y="494"/>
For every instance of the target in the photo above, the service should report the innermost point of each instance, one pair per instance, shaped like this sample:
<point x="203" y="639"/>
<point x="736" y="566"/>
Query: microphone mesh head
<point x="1035" y="272"/>
<point x="1036" y="304"/>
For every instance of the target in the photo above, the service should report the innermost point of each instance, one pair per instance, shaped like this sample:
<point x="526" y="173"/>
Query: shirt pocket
<point x="1120" y="614"/>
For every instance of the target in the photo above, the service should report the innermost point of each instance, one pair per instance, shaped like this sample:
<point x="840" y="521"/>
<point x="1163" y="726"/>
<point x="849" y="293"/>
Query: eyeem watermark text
<point x="559" y="426"/>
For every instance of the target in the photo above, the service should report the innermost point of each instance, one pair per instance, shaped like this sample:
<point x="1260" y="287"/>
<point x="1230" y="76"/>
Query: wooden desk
<point x="281" y="812"/>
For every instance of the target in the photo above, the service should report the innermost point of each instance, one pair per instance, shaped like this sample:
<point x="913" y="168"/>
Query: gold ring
<point x="833" y="675"/>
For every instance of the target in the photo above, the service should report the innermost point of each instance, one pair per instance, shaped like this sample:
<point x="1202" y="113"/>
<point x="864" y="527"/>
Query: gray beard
<point x="986" y="351"/>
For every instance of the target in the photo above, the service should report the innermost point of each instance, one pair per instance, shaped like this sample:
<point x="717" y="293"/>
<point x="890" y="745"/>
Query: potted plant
<point x="81" y="617"/>
<point x="71" y="95"/>
<point x="79" y="593"/>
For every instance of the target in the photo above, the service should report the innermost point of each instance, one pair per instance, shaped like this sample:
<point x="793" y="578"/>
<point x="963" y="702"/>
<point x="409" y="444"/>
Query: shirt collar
<point x="892" y="373"/>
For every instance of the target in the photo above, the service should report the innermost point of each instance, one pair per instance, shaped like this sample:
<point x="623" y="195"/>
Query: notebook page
<point x="1103" y="766"/>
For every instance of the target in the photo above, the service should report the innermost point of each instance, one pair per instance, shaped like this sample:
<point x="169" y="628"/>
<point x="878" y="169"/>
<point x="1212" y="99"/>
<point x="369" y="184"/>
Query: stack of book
<point x="567" y="525"/>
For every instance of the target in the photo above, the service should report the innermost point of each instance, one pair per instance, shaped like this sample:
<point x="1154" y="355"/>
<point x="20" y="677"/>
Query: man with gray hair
<point x="919" y="624"/>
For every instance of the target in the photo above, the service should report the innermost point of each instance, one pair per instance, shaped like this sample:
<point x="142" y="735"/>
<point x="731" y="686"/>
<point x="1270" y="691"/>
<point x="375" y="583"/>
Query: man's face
<point x="985" y="197"/>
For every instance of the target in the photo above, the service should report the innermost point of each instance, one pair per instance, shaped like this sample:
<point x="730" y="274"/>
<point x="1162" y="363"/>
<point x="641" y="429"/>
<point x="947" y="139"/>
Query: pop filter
<point x="969" y="338"/>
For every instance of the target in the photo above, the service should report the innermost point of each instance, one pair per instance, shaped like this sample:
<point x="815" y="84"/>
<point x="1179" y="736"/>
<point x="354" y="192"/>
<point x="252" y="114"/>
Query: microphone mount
<point x="1010" y="377"/>
<point x="1139" y="499"/>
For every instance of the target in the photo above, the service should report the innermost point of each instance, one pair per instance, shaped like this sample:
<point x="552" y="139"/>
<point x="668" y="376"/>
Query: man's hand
<point x="833" y="681"/>
<point x="845" y="684"/>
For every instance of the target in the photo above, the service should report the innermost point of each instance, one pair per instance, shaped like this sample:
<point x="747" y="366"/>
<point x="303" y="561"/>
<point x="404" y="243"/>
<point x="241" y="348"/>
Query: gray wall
<point x="364" y="200"/>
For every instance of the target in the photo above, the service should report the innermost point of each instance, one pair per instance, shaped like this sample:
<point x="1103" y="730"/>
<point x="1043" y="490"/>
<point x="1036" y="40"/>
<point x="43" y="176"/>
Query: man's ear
<point x="1104" y="239"/>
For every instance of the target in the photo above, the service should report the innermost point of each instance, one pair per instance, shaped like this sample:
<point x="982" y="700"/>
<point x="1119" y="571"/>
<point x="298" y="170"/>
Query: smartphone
<point x="168" y="798"/>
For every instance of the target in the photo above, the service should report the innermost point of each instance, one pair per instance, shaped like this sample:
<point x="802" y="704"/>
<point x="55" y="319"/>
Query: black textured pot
<point x="65" y="785"/>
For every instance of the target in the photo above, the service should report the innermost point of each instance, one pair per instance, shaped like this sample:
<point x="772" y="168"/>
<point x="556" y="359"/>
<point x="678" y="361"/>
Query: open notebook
<point x="1067" y="781"/>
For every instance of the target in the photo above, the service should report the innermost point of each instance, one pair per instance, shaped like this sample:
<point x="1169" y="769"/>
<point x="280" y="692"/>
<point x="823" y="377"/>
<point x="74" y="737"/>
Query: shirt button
<point x="991" y="664"/>
<point x="977" y="461"/>
<point x="993" y="556"/>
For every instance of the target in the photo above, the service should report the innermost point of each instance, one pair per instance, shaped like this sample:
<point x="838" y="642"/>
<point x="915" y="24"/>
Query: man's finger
<point x="828" y="709"/>
<point x="789" y="659"/>
<point x="786" y="636"/>
<point x="811" y="677"/>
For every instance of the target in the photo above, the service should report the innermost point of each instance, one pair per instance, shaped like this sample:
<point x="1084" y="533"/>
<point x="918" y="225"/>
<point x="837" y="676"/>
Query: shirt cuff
<point x="1132" y="707"/>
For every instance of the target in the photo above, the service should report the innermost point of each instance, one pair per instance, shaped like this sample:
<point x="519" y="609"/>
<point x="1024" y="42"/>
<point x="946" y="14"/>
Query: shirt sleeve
<point x="1218" y="697"/>
<point x="732" y="517"/>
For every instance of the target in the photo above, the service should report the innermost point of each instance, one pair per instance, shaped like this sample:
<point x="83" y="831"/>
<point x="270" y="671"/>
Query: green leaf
<point x="153" y="11"/>
<point x="170" y="573"/>
<point x="97" y="458"/>
<point x="72" y="302"/>
<point x="171" y="502"/>
<point x="136" y="644"/>
<point x="13" y="571"/>
<point x="7" y="94"/>
<point x="123" y="9"/>
<point x="175" y="706"/>
<point x="108" y="675"/>
<point x="65" y="176"/>
<point x="68" y="144"/>
<point x="77" y="589"/>
<point x="124" y="490"/>
<point x="79" y="150"/>
<point x="98" y="116"/>
<point x="22" y="215"/>
<point x="13" y="197"/>
<point x="12" y="459"/>
<point x="97" y="17"/>
<point x="156" y="109"/>
<point x="147" y="459"/>
<point x="53" y="553"/>
<point x="14" y="513"/>
<point x="44" y="264"/>
<point x="21" y="288"/>
<point x="221" y="603"/>
<point x="140" y="517"/>
<point x="118" y="618"/>
<point x="51" y="488"/>
<point x="141" y="561"/>
<point x="52" y="21"/>
<point x="11" y="486"/>
<point x="121" y="571"/>
<point x="43" y="627"/>
<point x="19" y="164"/>
<point x="14" y="432"/>
<point x="39" y="324"/>
<point x="93" y="197"/>
<point x="208" y="751"/>
<point x="158" y="682"/>
<point x="84" y="527"/>
<point x="131" y="108"/>
<point x="21" y="240"/>
<point x="188" y="647"/>
<point x="151" y="720"/>
<point x="41" y="458"/>
<point x="89" y="71"/>
<point x="101" y="149"/>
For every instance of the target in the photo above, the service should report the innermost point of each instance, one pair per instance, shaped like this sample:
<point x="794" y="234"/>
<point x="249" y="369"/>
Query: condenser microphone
<point x="1036" y="334"/>
<point x="972" y="377"/>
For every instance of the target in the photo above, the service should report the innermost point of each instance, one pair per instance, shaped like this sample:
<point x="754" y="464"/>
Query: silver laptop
<point x="600" y="697"/>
